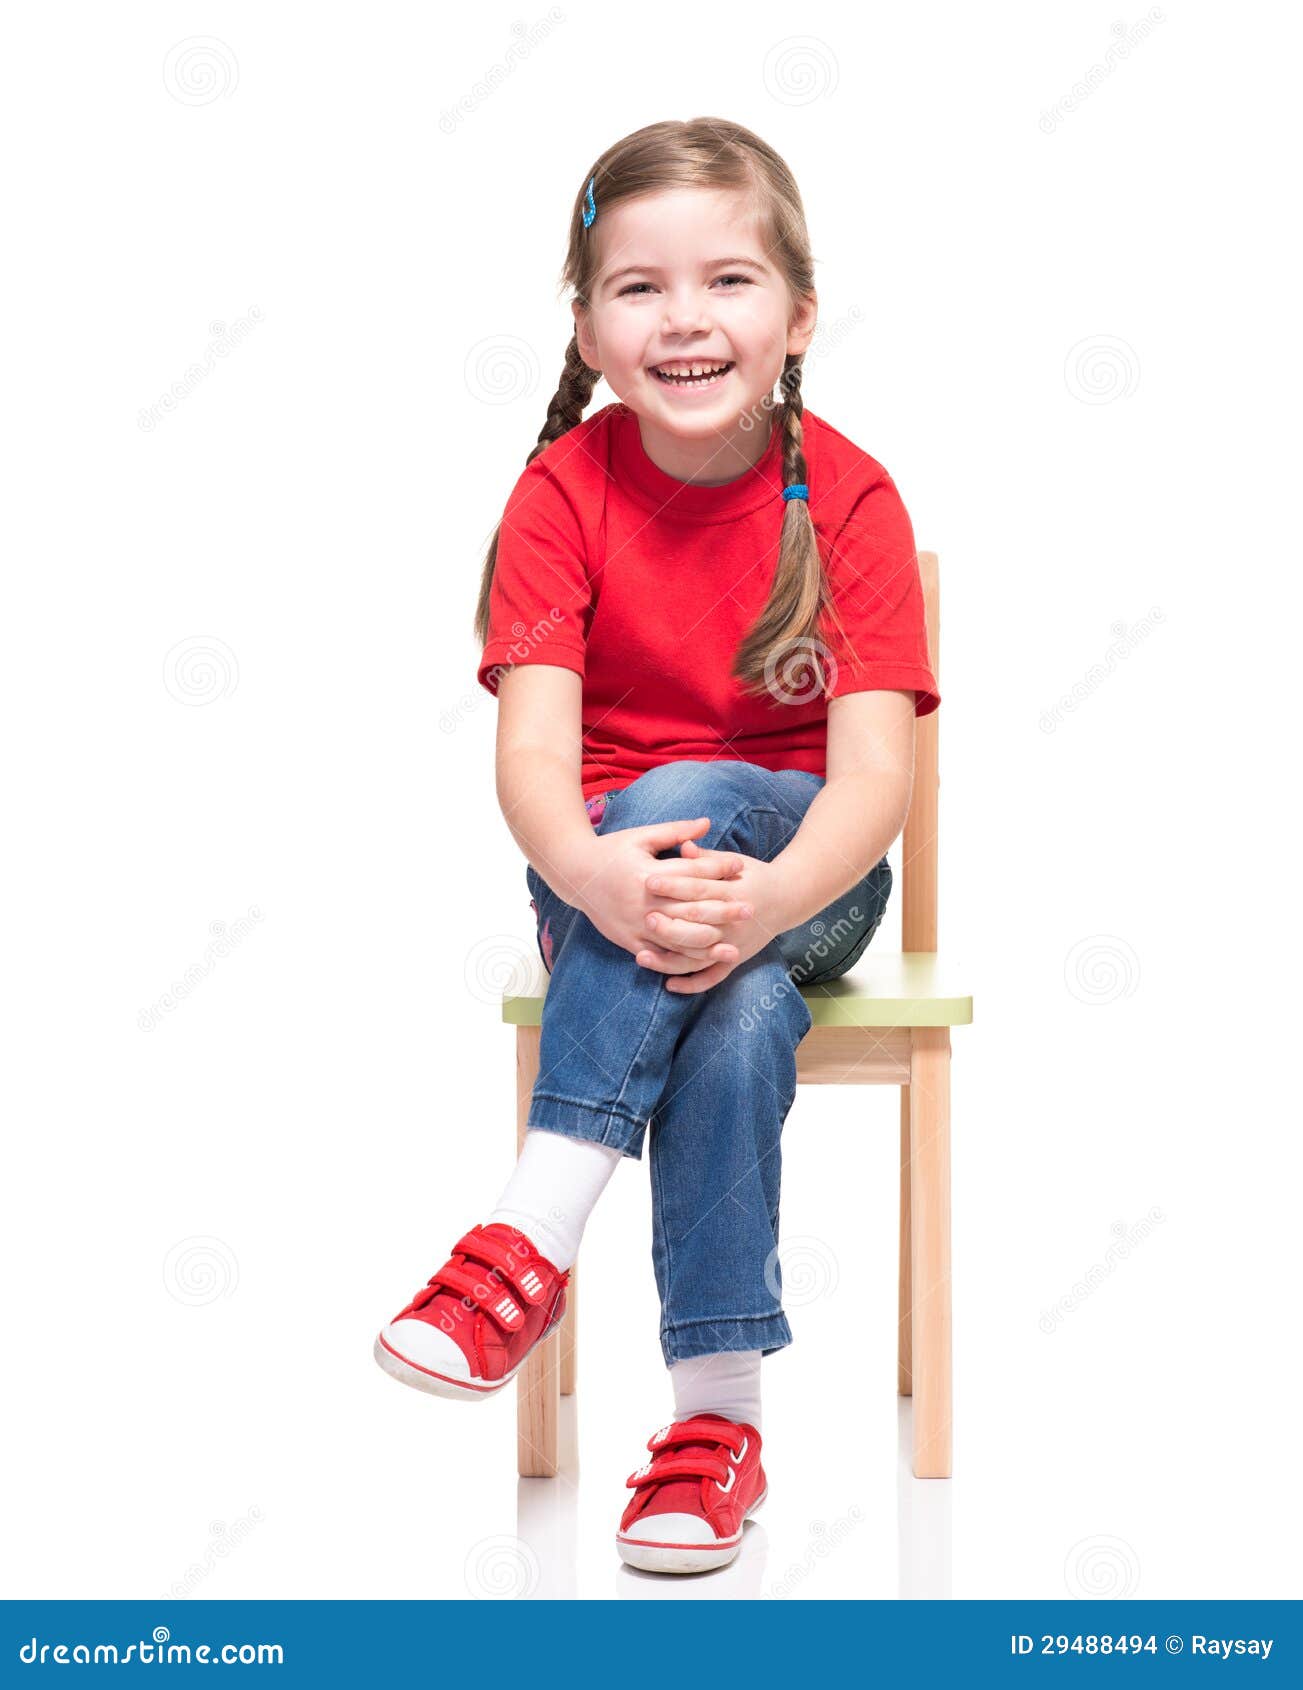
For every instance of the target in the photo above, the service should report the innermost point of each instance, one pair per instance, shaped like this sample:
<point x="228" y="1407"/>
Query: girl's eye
<point x="633" y="286"/>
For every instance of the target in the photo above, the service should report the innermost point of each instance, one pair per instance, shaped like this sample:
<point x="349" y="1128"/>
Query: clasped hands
<point x="694" y="917"/>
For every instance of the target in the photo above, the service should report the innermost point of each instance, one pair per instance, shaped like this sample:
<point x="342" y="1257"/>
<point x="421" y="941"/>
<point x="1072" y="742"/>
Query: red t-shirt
<point x="645" y="586"/>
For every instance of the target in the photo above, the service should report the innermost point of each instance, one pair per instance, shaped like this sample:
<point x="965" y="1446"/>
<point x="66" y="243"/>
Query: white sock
<point x="727" y="1384"/>
<point x="550" y="1195"/>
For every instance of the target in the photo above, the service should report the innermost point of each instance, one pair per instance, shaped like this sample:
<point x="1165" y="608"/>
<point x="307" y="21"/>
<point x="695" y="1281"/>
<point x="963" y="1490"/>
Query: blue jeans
<point x="713" y="1073"/>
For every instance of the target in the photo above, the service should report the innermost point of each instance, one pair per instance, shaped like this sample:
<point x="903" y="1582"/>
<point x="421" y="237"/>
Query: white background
<point x="1073" y="340"/>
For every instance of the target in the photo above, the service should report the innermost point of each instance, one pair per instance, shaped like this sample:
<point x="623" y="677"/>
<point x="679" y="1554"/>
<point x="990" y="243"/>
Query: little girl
<point x="702" y="618"/>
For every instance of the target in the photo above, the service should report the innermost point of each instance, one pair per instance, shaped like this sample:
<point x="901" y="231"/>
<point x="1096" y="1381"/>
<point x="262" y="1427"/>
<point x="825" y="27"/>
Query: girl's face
<point x="684" y="280"/>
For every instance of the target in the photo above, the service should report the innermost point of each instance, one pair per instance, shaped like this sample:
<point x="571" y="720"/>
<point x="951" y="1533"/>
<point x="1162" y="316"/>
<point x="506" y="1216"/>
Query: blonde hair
<point x="710" y="152"/>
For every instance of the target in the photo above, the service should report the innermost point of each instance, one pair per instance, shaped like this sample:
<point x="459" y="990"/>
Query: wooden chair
<point x="886" y="1022"/>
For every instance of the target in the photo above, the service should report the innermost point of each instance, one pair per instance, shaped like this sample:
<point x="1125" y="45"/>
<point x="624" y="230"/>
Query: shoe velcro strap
<point x="524" y="1273"/>
<point x="501" y="1308"/>
<point x="697" y="1464"/>
<point x="696" y="1432"/>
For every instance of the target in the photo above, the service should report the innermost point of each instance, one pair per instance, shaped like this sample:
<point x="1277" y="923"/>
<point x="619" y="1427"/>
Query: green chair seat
<point x="884" y="989"/>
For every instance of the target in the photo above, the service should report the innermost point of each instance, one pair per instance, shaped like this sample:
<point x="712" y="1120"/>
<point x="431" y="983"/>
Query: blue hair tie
<point x="590" y="204"/>
<point x="798" y="490"/>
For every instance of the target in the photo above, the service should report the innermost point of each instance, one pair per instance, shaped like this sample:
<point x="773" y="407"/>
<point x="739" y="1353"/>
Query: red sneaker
<point x="690" y="1499"/>
<point x="468" y="1331"/>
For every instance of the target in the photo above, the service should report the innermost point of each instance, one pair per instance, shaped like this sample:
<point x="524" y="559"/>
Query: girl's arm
<point x="539" y="777"/>
<point x="855" y="815"/>
<point x="859" y="810"/>
<point x="539" y="772"/>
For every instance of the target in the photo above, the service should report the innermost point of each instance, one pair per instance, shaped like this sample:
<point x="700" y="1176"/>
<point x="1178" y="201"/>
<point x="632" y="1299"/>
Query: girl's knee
<point x="684" y="788"/>
<point x="759" y="1001"/>
<point x="675" y="791"/>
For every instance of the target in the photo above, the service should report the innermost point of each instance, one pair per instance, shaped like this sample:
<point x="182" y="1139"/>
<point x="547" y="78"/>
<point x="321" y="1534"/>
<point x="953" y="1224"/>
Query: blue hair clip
<point x="590" y="204"/>
<point x="798" y="490"/>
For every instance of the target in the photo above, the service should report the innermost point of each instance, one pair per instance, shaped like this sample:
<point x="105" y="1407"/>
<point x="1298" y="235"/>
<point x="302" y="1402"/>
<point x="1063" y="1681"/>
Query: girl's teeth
<point x="700" y="380"/>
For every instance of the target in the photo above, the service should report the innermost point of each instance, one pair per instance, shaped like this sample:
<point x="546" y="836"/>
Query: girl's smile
<point x="687" y="377"/>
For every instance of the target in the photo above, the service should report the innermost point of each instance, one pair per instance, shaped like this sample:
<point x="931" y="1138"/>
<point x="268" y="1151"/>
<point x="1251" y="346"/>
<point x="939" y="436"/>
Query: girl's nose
<point x="684" y="314"/>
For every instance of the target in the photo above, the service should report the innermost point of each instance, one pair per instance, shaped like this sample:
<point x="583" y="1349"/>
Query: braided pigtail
<point x="782" y="654"/>
<point x="566" y="411"/>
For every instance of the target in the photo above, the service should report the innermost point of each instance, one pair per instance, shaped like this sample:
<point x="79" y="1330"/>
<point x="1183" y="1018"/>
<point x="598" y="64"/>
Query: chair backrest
<point x="918" y="927"/>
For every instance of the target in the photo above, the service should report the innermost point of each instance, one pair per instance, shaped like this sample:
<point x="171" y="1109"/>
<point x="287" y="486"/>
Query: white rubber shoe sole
<point x="664" y="1555"/>
<point x="439" y="1384"/>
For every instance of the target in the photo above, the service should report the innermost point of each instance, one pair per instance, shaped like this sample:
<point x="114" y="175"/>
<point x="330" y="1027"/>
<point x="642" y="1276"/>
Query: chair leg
<point x="904" y="1351"/>
<point x="929" y="1173"/>
<point x="569" y="1335"/>
<point x="537" y="1396"/>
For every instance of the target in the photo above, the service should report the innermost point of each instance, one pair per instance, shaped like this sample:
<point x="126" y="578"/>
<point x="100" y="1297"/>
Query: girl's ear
<point x="584" y="336"/>
<point x="800" y="331"/>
